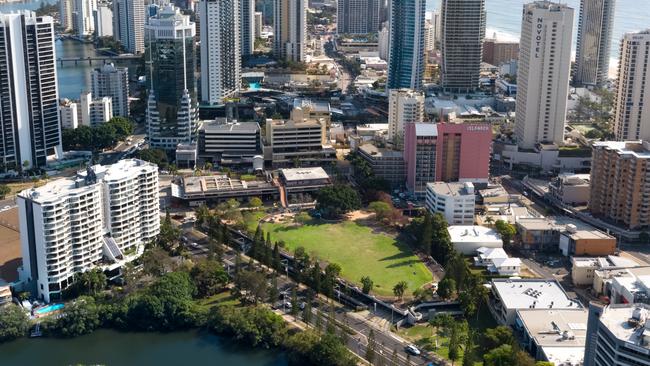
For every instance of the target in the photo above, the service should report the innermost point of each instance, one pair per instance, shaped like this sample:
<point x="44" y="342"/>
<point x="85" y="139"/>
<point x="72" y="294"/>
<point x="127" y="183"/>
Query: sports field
<point x="358" y="250"/>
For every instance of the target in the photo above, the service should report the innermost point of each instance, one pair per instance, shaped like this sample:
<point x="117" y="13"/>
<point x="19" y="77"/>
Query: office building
<point x="229" y="142"/>
<point x="128" y="24"/>
<point x="221" y="50"/>
<point x="595" y="27"/>
<point x="619" y="185"/>
<point x="101" y="218"/>
<point x="543" y="73"/>
<point x="385" y="163"/>
<point x="357" y="16"/>
<point x="507" y="296"/>
<point x="69" y="114"/>
<point x="65" y="15"/>
<point x="455" y="201"/>
<point x="469" y="239"/>
<point x="570" y="189"/>
<point x="29" y="106"/>
<point x="616" y="335"/>
<point x="259" y="24"/>
<point x="246" y="25"/>
<point x="554" y="335"/>
<point x="383" y="42"/>
<point x="631" y="102"/>
<point x="113" y="82"/>
<point x="297" y="141"/>
<point x="404" y="106"/>
<point x="172" y="115"/>
<point x="83" y="17"/>
<point x="462" y="27"/>
<point x="406" y="47"/>
<point x="93" y="112"/>
<point x="429" y="36"/>
<point x="103" y="17"/>
<point x="289" y="29"/>
<point x="497" y="52"/>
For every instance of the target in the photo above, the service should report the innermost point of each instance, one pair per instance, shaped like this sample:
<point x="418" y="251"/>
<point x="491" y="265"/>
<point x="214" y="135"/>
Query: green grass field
<point x="359" y="251"/>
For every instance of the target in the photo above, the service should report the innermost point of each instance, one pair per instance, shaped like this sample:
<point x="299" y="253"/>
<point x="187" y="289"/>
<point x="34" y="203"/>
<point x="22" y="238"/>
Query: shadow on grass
<point x="401" y="255"/>
<point x="409" y="263"/>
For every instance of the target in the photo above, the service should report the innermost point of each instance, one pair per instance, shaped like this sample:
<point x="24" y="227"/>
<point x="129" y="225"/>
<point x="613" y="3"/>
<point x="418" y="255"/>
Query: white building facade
<point x="113" y="82"/>
<point x="455" y="201"/>
<point x="103" y="21"/>
<point x="84" y="17"/>
<point x="220" y="54"/>
<point x="128" y="24"/>
<point x="101" y="218"/>
<point x="404" y="106"/>
<point x="543" y="73"/>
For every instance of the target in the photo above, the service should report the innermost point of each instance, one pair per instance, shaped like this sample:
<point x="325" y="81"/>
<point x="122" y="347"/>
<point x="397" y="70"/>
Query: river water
<point x="107" y="347"/>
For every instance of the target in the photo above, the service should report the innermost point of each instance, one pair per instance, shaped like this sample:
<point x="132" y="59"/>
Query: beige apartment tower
<point x="404" y="106"/>
<point x="543" y="73"/>
<point x="289" y="29"/>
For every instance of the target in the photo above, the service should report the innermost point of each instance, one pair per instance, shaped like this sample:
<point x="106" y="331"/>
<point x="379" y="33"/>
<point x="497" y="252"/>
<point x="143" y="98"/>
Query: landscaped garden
<point x="360" y="251"/>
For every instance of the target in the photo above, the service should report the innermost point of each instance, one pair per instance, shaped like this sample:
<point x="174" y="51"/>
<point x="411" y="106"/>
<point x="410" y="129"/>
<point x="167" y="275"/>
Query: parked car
<point x="412" y="350"/>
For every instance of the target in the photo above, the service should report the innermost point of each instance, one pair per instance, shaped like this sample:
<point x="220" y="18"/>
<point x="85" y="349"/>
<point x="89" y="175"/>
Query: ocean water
<point x="504" y="19"/>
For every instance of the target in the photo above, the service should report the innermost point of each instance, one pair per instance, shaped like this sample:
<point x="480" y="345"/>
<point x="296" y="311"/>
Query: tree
<point x="302" y="218"/>
<point x="469" y="355"/>
<point x="495" y="337"/>
<point x="370" y="349"/>
<point x="156" y="156"/>
<point x="209" y="277"/>
<point x="367" y="284"/>
<point x="13" y="322"/>
<point x="169" y="235"/>
<point x="255" y="325"/>
<point x="155" y="261"/>
<point x="489" y="220"/>
<point x="78" y="318"/>
<point x="295" y="308"/>
<point x="255" y="202"/>
<point x="306" y="312"/>
<point x="4" y="191"/>
<point x="122" y="126"/>
<point x="399" y="289"/>
<point x="89" y="282"/>
<point x="337" y="200"/>
<point x="447" y="288"/>
<point x="253" y="285"/>
<point x="454" y="343"/>
<point x="308" y="348"/>
<point x="332" y="271"/>
<point x="458" y="270"/>
<point x="202" y="214"/>
<point x="506" y="230"/>
<point x="500" y="356"/>
<point x="381" y="209"/>
<point x="644" y="237"/>
<point x="426" y="236"/>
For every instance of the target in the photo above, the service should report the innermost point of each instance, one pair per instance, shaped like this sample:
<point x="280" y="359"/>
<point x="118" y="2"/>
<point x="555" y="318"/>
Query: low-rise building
<point x="509" y="295"/>
<point x="386" y="164"/>
<point x="570" y="189"/>
<point x="229" y="143"/>
<point x="68" y="111"/>
<point x="554" y="335"/>
<point x="217" y="188"/>
<point x="496" y="260"/>
<point x="455" y="201"/>
<point x="603" y="284"/>
<point x="580" y="241"/>
<point x="300" y="181"/>
<point x="467" y="239"/>
<point x="583" y="269"/>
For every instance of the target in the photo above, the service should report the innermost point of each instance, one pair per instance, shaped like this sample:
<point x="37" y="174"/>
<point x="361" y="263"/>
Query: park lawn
<point x="224" y="298"/>
<point x="252" y="219"/>
<point x="423" y="336"/>
<point x="359" y="251"/>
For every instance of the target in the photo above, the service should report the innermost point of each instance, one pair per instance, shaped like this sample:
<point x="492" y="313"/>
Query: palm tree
<point x="399" y="289"/>
<point x="173" y="170"/>
<point x="489" y="220"/>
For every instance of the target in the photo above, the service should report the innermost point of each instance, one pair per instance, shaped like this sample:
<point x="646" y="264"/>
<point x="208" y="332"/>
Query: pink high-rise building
<point x="446" y="152"/>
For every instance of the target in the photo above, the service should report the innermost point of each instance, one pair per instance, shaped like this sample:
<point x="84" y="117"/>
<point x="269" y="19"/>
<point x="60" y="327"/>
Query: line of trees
<point x="102" y="136"/>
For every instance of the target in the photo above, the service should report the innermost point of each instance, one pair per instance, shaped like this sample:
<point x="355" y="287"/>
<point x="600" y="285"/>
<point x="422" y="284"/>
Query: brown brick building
<point x="620" y="182"/>
<point x="497" y="52"/>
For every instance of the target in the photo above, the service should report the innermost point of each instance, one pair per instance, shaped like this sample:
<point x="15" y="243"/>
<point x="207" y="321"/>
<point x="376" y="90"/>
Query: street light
<point x="285" y="262"/>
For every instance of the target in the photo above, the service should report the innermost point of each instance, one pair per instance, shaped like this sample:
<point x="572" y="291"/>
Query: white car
<point x="412" y="350"/>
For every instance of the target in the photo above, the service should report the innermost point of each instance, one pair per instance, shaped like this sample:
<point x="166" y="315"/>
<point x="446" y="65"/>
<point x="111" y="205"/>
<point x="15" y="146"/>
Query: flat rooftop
<point x="314" y="105"/>
<point x="380" y="152"/>
<point x="615" y="318"/>
<point x="637" y="149"/>
<point x="297" y="174"/>
<point x="548" y="326"/>
<point x="611" y="261"/>
<point x="472" y="234"/>
<point x="221" y="127"/>
<point x="452" y="189"/>
<point x="560" y="223"/>
<point x="219" y="183"/>
<point x="426" y="129"/>
<point x="529" y="294"/>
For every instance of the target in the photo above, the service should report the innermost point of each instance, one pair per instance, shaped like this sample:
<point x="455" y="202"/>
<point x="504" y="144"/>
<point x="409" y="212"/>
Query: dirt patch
<point x="359" y="215"/>
<point x="10" y="257"/>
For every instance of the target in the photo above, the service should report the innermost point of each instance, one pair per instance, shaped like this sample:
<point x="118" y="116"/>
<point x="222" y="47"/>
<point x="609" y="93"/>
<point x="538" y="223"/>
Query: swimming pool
<point x="49" y="309"/>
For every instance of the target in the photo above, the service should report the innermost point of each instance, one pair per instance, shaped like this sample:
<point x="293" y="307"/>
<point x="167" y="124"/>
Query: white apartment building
<point x="404" y="106"/>
<point x="101" y="218"/>
<point x="357" y="16"/>
<point x="595" y="28"/>
<point x="383" y="38"/>
<point x="455" y="201"/>
<point x="429" y="36"/>
<point x="103" y="21"/>
<point x="84" y="17"/>
<point x="113" y="82"/>
<point x="69" y="114"/>
<point x="616" y="335"/>
<point x="543" y="73"/>
<point x="259" y="24"/>
<point x="128" y="24"/>
<point x="94" y="111"/>
<point x="289" y="29"/>
<point x="220" y="55"/>
<point x="631" y="100"/>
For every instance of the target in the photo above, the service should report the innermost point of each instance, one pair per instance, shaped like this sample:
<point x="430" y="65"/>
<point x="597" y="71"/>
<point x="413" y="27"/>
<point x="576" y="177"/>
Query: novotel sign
<point x="539" y="28"/>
